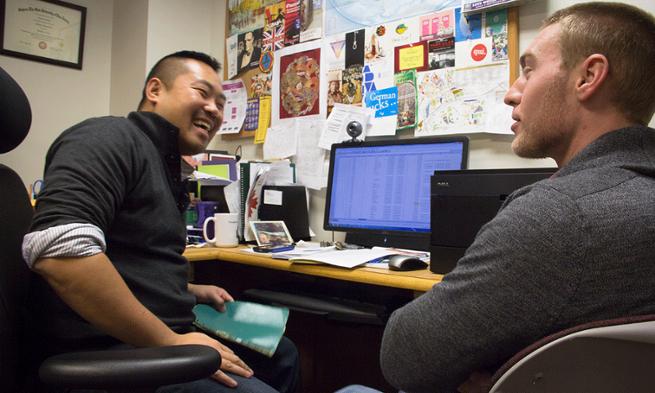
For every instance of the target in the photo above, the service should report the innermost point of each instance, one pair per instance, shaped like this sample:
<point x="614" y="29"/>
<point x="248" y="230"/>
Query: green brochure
<point x="406" y="82"/>
<point x="256" y="326"/>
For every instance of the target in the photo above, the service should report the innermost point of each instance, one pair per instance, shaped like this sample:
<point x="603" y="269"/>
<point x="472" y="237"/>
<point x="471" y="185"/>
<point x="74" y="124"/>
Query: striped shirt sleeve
<point x="69" y="240"/>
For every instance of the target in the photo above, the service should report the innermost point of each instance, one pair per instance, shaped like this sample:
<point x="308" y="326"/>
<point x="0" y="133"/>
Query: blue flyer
<point x="384" y="101"/>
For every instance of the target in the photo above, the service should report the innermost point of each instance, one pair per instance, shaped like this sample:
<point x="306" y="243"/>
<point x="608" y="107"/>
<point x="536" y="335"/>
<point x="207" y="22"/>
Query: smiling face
<point x="193" y="103"/>
<point x="543" y="108"/>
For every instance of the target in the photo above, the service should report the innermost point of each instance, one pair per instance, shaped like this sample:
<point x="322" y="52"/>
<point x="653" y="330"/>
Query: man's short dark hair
<point x="623" y="33"/>
<point x="170" y="66"/>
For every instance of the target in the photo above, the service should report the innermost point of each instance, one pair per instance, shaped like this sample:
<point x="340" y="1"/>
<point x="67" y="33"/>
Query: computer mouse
<point x="406" y="262"/>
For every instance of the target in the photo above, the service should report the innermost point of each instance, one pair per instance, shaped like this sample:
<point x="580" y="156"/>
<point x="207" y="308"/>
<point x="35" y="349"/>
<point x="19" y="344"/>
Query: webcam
<point x="354" y="129"/>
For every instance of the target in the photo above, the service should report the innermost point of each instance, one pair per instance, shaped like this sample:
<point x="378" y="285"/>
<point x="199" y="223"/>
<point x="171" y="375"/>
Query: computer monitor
<point x="379" y="192"/>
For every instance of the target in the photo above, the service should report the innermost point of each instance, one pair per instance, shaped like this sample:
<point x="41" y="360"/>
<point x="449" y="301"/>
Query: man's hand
<point x="212" y="295"/>
<point x="230" y="362"/>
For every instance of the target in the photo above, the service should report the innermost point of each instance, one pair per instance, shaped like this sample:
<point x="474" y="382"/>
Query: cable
<point x="237" y="153"/>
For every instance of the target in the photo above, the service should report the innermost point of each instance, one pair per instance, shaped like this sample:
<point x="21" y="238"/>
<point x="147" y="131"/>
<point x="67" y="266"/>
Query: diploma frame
<point x="61" y="11"/>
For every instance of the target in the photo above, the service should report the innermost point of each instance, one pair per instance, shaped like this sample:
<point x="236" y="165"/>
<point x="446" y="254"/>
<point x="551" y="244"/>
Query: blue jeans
<point x="357" y="389"/>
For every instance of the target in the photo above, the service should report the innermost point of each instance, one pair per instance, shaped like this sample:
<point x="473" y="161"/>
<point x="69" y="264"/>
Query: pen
<point x="270" y="248"/>
<point x="283" y="248"/>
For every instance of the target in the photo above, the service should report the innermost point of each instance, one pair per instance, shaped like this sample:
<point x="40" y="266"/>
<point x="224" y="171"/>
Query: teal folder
<point x="256" y="326"/>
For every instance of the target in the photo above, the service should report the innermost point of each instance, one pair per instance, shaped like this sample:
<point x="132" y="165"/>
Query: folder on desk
<point x="288" y="204"/>
<point x="253" y="325"/>
<point x="213" y="175"/>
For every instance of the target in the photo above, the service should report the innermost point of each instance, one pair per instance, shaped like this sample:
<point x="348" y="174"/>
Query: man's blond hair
<point x="626" y="36"/>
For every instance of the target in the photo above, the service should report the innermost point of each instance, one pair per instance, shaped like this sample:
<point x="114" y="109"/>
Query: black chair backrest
<point x="15" y="113"/>
<point x="15" y="218"/>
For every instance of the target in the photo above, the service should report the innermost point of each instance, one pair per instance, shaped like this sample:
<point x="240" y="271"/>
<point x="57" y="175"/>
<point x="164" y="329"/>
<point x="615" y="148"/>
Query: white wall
<point x="129" y="42"/>
<point x="150" y="29"/>
<point x="60" y="96"/>
<point x="176" y="25"/>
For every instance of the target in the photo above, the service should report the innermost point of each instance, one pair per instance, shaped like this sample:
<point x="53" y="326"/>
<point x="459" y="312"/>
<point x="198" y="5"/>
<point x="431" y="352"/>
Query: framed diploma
<point x="49" y="31"/>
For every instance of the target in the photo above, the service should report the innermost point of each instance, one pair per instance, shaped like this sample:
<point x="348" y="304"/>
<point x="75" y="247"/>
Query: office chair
<point x="609" y="356"/>
<point x="124" y="370"/>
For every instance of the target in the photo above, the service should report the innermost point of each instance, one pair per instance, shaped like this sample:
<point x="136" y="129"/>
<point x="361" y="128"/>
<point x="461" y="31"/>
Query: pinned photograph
<point x="249" y="47"/>
<point x="271" y="233"/>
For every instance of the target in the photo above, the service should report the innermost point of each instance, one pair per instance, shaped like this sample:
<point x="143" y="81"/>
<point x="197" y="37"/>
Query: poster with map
<point x="452" y="101"/>
<point x="348" y="15"/>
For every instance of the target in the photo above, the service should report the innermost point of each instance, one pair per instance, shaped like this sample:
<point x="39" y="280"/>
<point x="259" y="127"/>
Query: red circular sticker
<point x="479" y="52"/>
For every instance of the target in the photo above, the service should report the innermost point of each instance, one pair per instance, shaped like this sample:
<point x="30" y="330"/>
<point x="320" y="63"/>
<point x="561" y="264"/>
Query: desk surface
<point x="418" y="280"/>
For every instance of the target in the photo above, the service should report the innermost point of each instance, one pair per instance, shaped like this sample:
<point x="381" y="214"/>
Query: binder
<point x="229" y="163"/>
<point x="248" y="172"/>
<point x="288" y="204"/>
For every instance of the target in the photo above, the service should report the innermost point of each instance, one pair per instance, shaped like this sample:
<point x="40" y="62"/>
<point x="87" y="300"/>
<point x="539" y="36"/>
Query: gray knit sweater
<point x="571" y="249"/>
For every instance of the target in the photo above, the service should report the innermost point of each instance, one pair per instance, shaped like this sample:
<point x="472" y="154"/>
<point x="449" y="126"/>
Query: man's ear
<point x="153" y="90"/>
<point x="593" y="72"/>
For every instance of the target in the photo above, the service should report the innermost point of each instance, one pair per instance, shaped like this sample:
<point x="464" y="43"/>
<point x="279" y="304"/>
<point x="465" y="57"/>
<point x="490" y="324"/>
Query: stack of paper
<point x="346" y="258"/>
<point x="300" y="252"/>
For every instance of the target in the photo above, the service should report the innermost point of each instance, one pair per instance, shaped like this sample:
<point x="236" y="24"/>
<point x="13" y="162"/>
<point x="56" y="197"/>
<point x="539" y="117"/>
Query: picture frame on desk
<point x="47" y="31"/>
<point x="270" y="233"/>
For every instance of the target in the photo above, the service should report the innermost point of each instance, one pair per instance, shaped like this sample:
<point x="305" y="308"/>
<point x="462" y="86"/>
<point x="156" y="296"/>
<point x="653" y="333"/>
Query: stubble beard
<point x="545" y="133"/>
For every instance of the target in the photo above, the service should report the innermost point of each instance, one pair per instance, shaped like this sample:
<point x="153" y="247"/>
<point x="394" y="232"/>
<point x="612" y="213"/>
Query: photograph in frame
<point x="274" y="233"/>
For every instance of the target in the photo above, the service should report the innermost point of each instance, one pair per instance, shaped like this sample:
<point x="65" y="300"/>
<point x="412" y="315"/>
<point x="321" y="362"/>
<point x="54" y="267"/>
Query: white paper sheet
<point x="232" y="196"/>
<point x="312" y="162"/>
<point x="280" y="173"/>
<point x="473" y="53"/>
<point x="231" y="55"/>
<point x="337" y="122"/>
<point x="280" y="142"/>
<point x="334" y="52"/>
<point x="344" y="258"/>
<point x="272" y="197"/>
<point x="235" y="106"/>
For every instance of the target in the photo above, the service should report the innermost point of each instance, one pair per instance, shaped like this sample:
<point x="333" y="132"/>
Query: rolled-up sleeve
<point x="88" y="170"/>
<point x="69" y="240"/>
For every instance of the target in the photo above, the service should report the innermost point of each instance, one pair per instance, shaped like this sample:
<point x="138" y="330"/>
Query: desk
<point x="418" y="280"/>
<point x="334" y="353"/>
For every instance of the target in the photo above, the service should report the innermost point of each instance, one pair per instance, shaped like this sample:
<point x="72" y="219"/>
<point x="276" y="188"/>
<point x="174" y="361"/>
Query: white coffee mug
<point x="225" y="229"/>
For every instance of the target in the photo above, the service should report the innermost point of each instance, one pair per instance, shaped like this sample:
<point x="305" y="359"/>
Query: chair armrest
<point x="130" y="368"/>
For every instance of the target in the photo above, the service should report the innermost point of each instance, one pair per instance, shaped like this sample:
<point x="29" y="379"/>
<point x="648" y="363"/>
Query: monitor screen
<point x="379" y="192"/>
